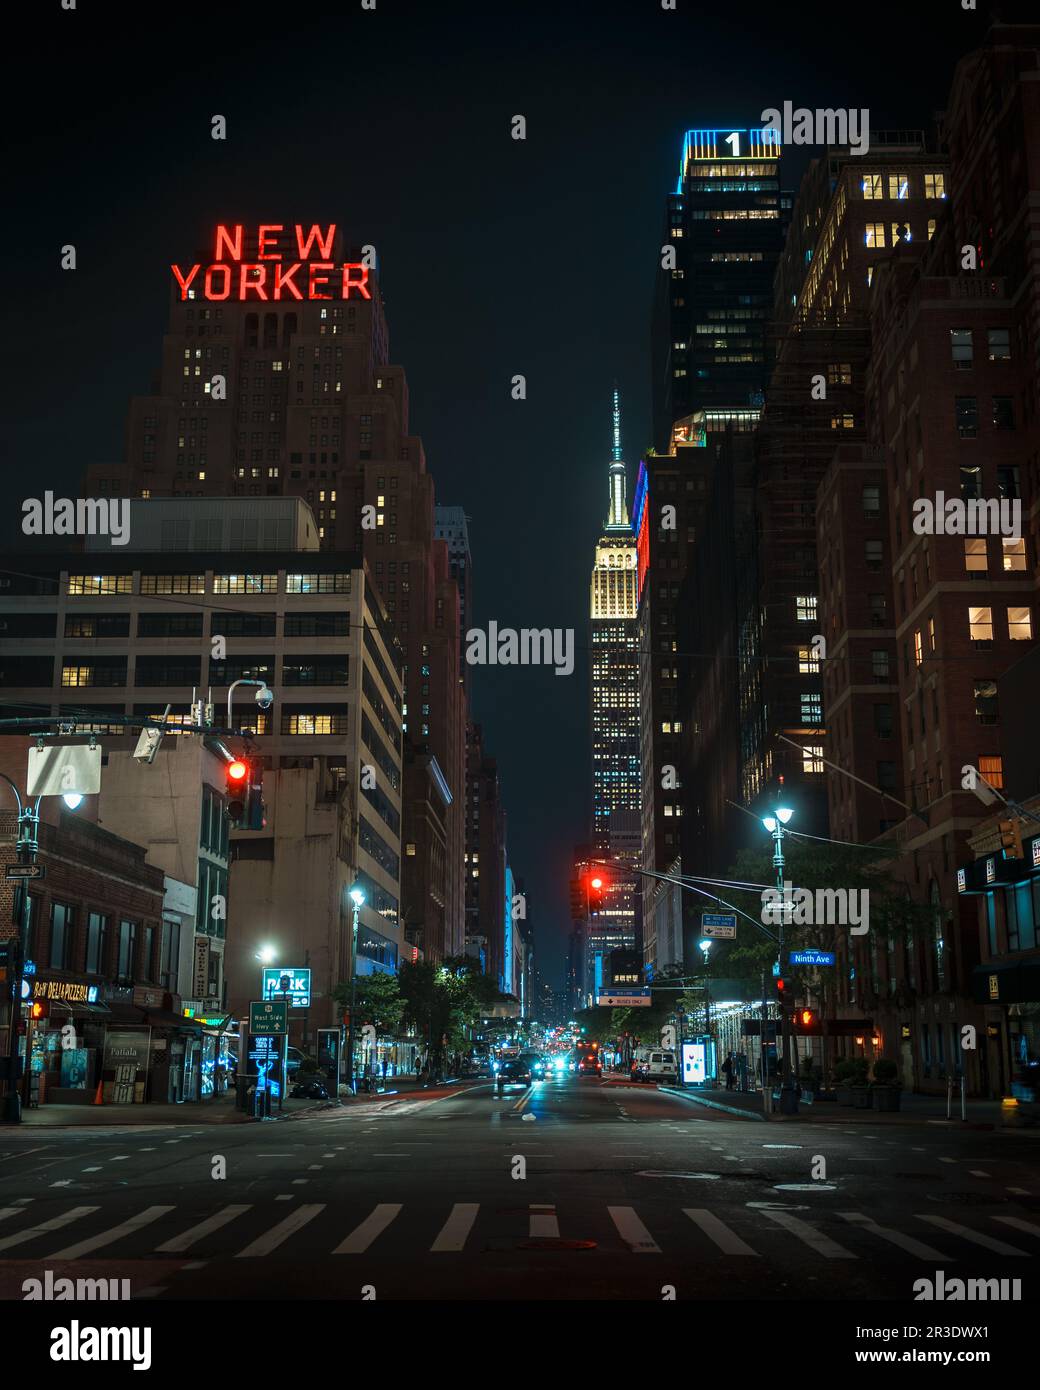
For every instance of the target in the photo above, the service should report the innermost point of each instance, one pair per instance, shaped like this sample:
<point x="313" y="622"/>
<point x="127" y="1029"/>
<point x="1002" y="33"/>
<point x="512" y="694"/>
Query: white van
<point x="661" y="1066"/>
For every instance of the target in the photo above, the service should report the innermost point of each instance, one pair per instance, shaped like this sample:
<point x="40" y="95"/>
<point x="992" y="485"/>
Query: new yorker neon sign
<point x="287" y="266"/>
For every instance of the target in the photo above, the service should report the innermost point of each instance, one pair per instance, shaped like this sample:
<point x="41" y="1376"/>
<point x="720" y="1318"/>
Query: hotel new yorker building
<point x="275" y="381"/>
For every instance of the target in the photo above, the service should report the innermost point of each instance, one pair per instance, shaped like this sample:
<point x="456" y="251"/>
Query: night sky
<point x="497" y="257"/>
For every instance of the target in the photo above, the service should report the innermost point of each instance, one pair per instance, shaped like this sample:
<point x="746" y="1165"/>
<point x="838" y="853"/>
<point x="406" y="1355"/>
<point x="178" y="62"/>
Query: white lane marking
<point x="977" y="1173"/>
<point x="297" y="1182"/>
<point x="816" y="1240"/>
<point x="947" y="1160"/>
<point x="374" y="1224"/>
<point x="285" y="1197"/>
<point x="907" y="1243"/>
<point x="1019" y="1191"/>
<point x="719" y="1232"/>
<point x="633" y="1232"/>
<point x="1019" y="1224"/>
<point x="454" y="1232"/>
<point x="781" y="1146"/>
<point x="54" y="1224"/>
<point x="543" y="1224"/>
<point x="119" y="1158"/>
<point x="270" y="1240"/>
<point x="195" y="1233"/>
<point x="314" y="1167"/>
<point x="976" y="1238"/>
<point x="96" y="1169"/>
<point x="9" y="1211"/>
<point x="150" y="1150"/>
<point x="63" y="1182"/>
<point x="114" y="1233"/>
<point x="24" y="1153"/>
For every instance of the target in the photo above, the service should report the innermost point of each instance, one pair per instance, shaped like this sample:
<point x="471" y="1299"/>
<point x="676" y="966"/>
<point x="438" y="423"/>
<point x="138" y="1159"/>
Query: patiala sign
<point x="304" y="271"/>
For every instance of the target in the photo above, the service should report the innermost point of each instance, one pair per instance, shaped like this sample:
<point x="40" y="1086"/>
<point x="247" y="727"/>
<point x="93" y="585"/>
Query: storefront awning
<point x="80" y="1009"/>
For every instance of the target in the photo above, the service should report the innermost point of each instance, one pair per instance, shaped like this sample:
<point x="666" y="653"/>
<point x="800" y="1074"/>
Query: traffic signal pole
<point x="28" y="848"/>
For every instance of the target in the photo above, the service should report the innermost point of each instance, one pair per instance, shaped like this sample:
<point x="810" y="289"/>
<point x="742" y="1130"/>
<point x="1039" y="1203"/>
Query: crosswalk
<point x="315" y="1230"/>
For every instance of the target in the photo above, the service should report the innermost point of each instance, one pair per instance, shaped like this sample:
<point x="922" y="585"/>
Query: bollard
<point x="964" y="1114"/>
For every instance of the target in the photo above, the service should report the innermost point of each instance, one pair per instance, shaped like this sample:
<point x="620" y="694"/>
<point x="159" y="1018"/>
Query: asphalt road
<point x="573" y="1188"/>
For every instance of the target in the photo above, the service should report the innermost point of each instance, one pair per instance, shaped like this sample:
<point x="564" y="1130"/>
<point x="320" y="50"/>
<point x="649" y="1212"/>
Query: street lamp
<point x="788" y="1095"/>
<point x="266" y="955"/>
<point x="357" y="897"/>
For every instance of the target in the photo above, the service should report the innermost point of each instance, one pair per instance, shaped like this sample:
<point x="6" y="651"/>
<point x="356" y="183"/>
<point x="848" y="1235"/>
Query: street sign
<point x="624" y="999"/>
<point x="811" y="958"/>
<point x="288" y="980"/>
<point x="268" y="1017"/>
<point x="719" y="924"/>
<point x="61" y="768"/>
<point x="17" y="871"/>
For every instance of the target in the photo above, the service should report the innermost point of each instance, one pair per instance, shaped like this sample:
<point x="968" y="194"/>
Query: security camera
<point x="265" y="697"/>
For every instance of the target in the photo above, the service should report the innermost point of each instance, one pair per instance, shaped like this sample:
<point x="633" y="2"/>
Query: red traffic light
<point x="595" y="883"/>
<point x="237" y="770"/>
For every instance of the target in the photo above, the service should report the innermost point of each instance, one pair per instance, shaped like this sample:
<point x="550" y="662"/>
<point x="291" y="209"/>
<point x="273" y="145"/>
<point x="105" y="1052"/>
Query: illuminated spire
<point x="617" y="518"/>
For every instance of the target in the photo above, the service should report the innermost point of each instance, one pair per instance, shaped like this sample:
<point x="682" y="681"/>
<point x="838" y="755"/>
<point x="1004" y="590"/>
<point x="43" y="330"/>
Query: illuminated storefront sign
<point x="68" y="991"/>
<point x="288" y="981"/>
<point x="287" y="266"/>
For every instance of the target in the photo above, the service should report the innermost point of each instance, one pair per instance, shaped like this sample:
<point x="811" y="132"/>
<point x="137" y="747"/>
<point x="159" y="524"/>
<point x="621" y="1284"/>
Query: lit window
<point x="1014" y="553"/>
<point x="992" y="769"/>
<point x="918" y="648"/>
<point x="935" y="185"/>
<point x="805" y="608"/>
<point x="980" y="624"/>
<point x="812" y="758"/>
<point x="931" y="228"/>
<point x="872" y="186"/>
<point x="898" y="186"/>
<point x="874" y="234"/>
<point x="100" y="584"/>
<point x="975" y="555"/>
<point x="808" y="661"/>
<point x="1020" y="624"/>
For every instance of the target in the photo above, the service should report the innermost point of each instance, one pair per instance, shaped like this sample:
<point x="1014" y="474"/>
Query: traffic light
<point x="237" y="790"/>
<point x="806" y="1021"/>
<point x="783" y="990"/>
<point x="245" y="794"/>
<point x="597" y="886"/>
<point x="1011" y="839"/>
<point x="39" y="1009"/>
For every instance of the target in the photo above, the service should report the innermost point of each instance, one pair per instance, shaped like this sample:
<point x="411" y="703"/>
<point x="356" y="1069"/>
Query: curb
<point x="713" y="1104"/>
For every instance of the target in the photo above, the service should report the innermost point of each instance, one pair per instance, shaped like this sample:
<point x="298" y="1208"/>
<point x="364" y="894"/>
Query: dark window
<point x="967" y="413"/>
<point x="315" y="670"/>
<point x="170" y="951"/>
<point x="62" y="918"/>
<point x="127" y="948"/>
<point x="986" y="708"/>
<point x="29" y="624"/>
<point x="97" y="625"/>
<point x="167" y="671"/>
<point x="97" y="934"/>
<point x="169" y="625"/>
<point x="1003" y="413"/>
<point x="243" y="624"/>
<point x="883" y="721"/>
<point x="317" y="624"/>
<point x="886" y="776"/>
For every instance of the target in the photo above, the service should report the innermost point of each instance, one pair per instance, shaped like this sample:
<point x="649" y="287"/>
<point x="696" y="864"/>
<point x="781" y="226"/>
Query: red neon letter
<point x="314" y="235"/>
<point x="318" y="279"/>
<point x="263" y="254"/>
<point x="284" y="279"/>
<point x="224" y="270"/>
<point x="181" y="280"/>
<point x="360" y="285"/>
<point x="245" y="283"/>
<point x="234" y="246"/>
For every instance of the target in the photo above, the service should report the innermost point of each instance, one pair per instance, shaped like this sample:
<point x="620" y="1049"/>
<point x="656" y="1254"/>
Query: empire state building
<point x="615" y="701"/>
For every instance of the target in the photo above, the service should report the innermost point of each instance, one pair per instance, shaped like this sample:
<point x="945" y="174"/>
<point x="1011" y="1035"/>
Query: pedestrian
<point x="742" y="1071"/>
<point x="728" y="1069"/>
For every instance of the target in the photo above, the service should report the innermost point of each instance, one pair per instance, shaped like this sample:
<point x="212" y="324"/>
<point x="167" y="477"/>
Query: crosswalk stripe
<point x="8" y="1211"/>
<point x="633" y="1232"/>
<point x="270" y="1240"/>
<point x="456" y="1229"/>
<point x="374" y="1224"/>
<point x="716" y="1230"/>
<point x="114" y="1233"/>
<point x="823" y="1245"/>
<point x="976" y="1237"/>
<point x="54" y="1224"/>
<point x="544" y="1225"/>
<point x="907" y="1243"/>
<point x="1019" y="1224"/>
<point x="195" y="1233"/>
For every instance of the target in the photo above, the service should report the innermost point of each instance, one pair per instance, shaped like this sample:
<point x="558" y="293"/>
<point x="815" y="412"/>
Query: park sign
<point x="719" y="924"/>
<point x="811" y="958"/>
<point x="268" y="1017"/>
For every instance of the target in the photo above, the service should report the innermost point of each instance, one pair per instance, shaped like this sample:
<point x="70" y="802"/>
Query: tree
<point x="445" y="1000"/>
<point x="378" y="1001"/>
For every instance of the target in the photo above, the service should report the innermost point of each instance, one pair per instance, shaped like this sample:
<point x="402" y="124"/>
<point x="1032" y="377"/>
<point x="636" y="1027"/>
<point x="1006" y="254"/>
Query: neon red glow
<point x="237" y="770"/>
<point x="232" y="277"/>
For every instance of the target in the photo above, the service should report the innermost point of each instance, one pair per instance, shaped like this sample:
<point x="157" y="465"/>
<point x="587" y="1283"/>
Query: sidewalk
<point x="218" y="1111"/>
<point x="914" y="1110"/>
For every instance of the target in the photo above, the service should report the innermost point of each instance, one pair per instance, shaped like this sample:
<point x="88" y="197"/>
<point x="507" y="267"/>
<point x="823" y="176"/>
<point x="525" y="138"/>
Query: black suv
<point x="513" y="1071"/>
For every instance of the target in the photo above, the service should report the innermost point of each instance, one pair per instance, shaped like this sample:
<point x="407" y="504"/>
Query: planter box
<point x="887" y="1097"/>
<point x="861" y="1097"/>
<point x="844" y="1094"/>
